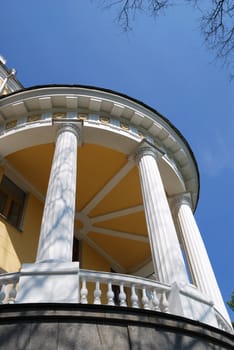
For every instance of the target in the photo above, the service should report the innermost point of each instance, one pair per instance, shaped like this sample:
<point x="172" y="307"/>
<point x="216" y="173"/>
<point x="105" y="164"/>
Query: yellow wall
<point x="18" y="247"/>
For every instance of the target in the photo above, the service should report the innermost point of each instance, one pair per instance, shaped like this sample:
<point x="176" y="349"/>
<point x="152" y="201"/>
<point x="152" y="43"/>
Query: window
<point x="12" y="201"/>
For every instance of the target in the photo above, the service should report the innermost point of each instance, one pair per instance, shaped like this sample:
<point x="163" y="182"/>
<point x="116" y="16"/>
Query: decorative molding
<point x="34" y="118"/>
<point x="123" y="115"/>
<point x="180" y="199"/>
<point x="73" y="127"/>
<point x="146" y="148"/>
<point x="11" y="124"/>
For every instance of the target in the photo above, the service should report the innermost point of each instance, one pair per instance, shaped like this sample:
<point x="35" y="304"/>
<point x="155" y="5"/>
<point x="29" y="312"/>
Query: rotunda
<point x="97" y="200"/>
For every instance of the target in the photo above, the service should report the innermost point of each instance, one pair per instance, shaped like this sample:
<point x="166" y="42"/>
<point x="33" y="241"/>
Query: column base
<point x="189" y="302"/>
<point x="47" y="282"/>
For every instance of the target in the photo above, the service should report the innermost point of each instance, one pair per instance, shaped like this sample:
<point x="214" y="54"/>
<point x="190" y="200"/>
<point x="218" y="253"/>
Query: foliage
<point x="231" y="302"/>
<point x="217" y="24"/>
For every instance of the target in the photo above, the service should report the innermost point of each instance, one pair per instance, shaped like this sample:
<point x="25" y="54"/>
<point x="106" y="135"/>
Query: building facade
<point x="97" y="195"/>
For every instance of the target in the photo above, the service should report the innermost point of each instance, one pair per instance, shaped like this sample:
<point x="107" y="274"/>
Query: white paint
<point x="165" y="249"/>
<point x="189" y="302"/>
<point x="58" y="97"/>
<point x="48" y="283"/>
<point x="201" y="269"/>
<point x="57" y="228"/>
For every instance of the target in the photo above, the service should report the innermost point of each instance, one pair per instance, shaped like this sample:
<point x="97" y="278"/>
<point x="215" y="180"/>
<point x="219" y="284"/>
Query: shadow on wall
<point x="76" y="336"/>
<point x="55" y="328"/>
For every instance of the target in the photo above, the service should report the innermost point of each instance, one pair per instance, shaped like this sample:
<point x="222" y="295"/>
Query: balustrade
<point x="222" y="323"/>
<point x="103" y="288"/>
<point x="123" y="290"/>
<point x="8" y="287"/>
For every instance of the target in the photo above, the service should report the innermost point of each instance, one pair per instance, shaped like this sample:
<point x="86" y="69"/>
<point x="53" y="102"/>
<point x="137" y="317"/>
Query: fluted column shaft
<point x="57" y="228"/>
<point x="201" y="269"/>
<point x="165" y="249"/>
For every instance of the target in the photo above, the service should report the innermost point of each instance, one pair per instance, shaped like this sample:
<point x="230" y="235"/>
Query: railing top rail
<point x="224" y="322"/>
<point x="9" y="277"/>
<point x="128" y="280"/>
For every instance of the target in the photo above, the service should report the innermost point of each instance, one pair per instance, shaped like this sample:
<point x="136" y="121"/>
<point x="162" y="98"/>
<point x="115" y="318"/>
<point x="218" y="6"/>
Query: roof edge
<point x="113" y="92"/>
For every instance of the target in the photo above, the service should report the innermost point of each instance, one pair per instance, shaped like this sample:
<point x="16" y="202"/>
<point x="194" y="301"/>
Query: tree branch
<point x="217" y="23"/>
<point x="127" y="9"/>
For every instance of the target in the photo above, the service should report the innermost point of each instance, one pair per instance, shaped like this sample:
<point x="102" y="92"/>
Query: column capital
<point x="73" y="127"/>
<point x="147" y="149"/>
<point x="182" y="198"/>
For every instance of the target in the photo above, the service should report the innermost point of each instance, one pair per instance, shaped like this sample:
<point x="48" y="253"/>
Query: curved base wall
<point x="73" y="327"/>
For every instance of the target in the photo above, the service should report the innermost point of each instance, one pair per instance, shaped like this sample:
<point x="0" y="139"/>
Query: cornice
<point x="109" y="110"/>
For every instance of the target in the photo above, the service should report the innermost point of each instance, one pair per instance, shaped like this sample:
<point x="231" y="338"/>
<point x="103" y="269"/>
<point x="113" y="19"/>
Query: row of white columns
<point x="56" y="237"/>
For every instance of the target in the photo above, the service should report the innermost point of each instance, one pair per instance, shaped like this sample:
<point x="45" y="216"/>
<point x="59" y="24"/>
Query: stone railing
<point x="222" y="323"/>
<point x="103" y="288"/>
<point x="8" y="287"/>
<point x="123" y="290"/>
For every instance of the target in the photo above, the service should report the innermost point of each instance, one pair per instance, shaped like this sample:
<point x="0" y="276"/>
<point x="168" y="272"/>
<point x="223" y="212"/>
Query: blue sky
<point x="162" y="62"/>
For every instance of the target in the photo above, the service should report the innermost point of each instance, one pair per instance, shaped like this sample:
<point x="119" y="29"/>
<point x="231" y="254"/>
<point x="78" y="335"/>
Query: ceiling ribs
<point x="116" y="214"/>
<point x="115" y="265"/>
<point x="108" y="187"/>
<point x="119" y="234"/>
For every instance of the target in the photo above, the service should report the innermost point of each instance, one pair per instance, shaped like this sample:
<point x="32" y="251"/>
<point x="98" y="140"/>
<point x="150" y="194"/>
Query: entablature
<point x="102" y="112"/>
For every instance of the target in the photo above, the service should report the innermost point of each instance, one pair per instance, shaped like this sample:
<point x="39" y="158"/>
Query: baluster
<point x="145" y="299"/>
<point x="110" y="294"/>
<point x="12" y="294"/>
<point x="83" y="293"/>
<point x="122" y="295"/>
<point x="97" y="294"/>
<point x="2" y="295"/>
<point x="163" y="302"/>
<point x="134" y="297"/>
<point x="155" y="301"/>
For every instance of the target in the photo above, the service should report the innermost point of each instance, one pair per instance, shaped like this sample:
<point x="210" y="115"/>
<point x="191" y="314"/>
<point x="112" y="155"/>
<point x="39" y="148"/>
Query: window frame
<point x="11" y="200"/>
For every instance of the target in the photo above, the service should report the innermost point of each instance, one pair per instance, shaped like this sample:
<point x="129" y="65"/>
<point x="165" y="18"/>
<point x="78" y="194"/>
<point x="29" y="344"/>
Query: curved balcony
<point x="119" y="290"/>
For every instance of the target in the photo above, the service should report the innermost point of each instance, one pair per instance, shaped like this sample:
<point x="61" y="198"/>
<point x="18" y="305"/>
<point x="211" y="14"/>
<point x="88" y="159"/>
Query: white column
<point x="56" y="236"/>
<point x="198" y="259"/>
<point x="165" y="248"/>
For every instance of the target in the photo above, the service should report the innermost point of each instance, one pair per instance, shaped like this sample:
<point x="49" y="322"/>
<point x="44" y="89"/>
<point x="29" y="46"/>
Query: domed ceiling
<point x="109" y="210"/>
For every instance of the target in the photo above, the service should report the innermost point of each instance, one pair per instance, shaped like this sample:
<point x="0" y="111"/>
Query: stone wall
<point x="73" y="327"/>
